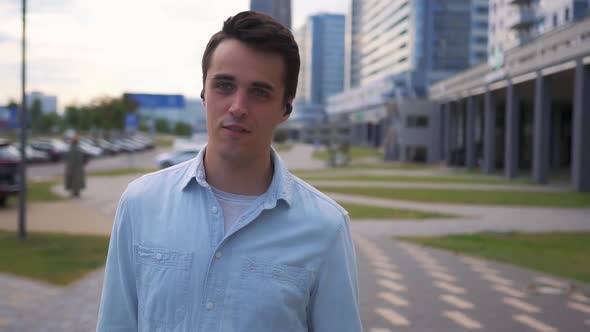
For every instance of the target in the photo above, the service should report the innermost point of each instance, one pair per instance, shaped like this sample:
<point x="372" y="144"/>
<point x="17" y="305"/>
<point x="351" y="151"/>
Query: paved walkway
<point x="425" y="185"/>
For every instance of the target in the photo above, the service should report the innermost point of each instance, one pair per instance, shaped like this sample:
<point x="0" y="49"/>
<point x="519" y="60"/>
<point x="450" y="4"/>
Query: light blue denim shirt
<point x="287" y="265"/>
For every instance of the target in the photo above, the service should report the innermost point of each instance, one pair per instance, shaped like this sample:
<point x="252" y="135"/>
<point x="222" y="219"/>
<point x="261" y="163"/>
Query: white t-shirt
<point x="232" y="206"/>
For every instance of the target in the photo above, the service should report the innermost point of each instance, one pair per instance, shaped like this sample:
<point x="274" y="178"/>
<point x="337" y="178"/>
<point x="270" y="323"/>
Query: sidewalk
<point x="67" y="216"/>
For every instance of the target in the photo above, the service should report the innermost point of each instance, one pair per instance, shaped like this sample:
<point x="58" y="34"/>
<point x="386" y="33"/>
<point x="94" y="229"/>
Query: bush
<point x="183" y="129"/>
<point x="162" y="126"/>
<point x="280" y="136"/>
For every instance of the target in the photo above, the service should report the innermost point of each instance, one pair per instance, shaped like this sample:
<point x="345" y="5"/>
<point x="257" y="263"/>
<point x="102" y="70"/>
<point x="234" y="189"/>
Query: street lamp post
<point x="22" y="232"/>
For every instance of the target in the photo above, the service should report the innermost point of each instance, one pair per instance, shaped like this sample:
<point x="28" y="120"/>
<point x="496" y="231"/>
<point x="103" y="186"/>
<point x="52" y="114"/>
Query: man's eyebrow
<point x="263" y="85"/>
<point x="223" y="77"/>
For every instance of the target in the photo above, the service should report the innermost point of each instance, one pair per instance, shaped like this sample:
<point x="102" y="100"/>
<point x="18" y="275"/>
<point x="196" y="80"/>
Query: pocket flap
<point x="163" y="257"/>
<point x="294" y="275"/>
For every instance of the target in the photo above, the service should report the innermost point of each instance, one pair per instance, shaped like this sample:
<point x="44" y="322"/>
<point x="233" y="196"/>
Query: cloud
<point x="81" y="49"/>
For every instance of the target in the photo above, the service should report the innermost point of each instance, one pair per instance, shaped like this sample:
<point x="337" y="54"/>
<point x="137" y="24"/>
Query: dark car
<point x="9" y="160"/>
<point x="56" y="149"/>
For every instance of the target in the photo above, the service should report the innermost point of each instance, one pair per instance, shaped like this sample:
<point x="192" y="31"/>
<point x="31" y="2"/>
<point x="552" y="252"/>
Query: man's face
<point x="244" y="99"/>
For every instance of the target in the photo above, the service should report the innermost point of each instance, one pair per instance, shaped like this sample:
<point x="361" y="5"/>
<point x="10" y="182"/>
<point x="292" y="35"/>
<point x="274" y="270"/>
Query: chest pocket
<point x="271" y="297"/>
<point x="162" y="285"/>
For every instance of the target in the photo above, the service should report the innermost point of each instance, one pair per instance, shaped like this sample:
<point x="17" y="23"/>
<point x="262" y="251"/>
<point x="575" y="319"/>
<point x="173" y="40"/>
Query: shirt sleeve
<point x="334" y="303"/>
<point x="118" y="306"/>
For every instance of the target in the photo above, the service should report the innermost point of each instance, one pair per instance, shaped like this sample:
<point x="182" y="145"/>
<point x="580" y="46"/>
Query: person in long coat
<point x="75" y="179"/>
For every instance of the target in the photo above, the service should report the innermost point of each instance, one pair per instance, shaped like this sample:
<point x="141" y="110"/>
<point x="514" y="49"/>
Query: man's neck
<point x="250" y="179"/>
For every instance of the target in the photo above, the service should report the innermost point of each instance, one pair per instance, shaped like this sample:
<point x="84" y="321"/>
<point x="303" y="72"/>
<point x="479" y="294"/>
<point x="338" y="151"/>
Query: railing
<point x="553" y="48"/>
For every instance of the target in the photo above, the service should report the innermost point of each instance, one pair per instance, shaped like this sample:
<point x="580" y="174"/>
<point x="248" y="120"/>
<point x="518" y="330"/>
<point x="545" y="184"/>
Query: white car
<point x="168" y="159"/>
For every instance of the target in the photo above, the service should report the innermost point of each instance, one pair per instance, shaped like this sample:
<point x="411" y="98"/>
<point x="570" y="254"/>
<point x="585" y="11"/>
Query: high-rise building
<point x="516" y="22"/>
<point x="321" y="47"/>
<point x="279" y="9"/>
<point x="422" y="40"/>
<point x="395" y="49"/>
<point x="48" y="103"/>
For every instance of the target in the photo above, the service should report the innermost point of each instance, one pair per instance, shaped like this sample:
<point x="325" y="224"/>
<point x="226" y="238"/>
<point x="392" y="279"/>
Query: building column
<point x="435" y="126"/>
<point x="470" y="161"/>
<point x="541" y="129"/>
<point x="556" y="132"/>
<point x="512" y="141"/>
<point x="489" y="136"/>
<point x="449" y="133"/>
<point x="580" y="131"/>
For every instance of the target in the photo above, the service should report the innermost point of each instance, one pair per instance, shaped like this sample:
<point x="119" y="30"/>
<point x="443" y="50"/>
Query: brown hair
<point x="262" y="33"/>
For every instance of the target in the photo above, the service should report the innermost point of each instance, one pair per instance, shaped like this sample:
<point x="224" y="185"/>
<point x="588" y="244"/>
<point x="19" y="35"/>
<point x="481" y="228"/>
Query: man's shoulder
<point x="159" y="182"/>
<point x="316" y="200"/>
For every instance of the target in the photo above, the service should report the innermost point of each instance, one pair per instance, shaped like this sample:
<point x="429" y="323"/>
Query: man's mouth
<point x="236" y="129"/>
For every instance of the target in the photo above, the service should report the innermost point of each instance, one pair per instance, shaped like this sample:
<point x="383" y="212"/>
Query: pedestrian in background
<point x="75" y="179"/>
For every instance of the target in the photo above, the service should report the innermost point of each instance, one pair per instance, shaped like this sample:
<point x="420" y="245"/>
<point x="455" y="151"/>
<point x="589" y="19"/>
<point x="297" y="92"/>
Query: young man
<point x="231" y="241"/>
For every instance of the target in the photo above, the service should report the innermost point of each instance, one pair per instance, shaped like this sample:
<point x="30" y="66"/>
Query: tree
<point x="183" y="129"/>
<point x="36" y="114"/>
<point x="162" y="126"/>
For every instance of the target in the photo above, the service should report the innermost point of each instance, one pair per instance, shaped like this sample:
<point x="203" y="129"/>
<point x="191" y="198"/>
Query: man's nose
<point x="239" y="106"/>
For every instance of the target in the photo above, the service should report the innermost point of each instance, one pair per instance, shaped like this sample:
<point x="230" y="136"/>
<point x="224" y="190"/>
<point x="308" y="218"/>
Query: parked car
<point x="9" y="160"/>
<point x="56" y="149"/>
<point x="168" y="159"/>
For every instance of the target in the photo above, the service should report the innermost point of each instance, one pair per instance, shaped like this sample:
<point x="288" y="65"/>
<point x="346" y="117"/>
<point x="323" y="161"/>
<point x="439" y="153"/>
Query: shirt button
<point x="218" y="255"/>
<point x="158" y="256"/>
<point x="210" y="305"/>
<point x="214" y="210"/>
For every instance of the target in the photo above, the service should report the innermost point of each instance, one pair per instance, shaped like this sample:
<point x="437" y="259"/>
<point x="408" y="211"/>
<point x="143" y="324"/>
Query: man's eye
<point x="224" y="86"/>
<point x="260" y="93"/>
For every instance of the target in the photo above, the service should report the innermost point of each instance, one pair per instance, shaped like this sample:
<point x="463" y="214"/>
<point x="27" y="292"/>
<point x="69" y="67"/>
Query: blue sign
<point x="8" y="118"/>
<point x="147" y="101"/>
<point x="131" y="121"/>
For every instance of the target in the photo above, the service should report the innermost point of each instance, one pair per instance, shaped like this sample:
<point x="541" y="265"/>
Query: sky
<point x="79" y="50"/>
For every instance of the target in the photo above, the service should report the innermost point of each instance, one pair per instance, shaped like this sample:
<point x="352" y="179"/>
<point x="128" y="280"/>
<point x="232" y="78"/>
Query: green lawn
<point x="357" y="211"/>
<point x="355" y="153"/>
<point x="399" y="178"/>
<point x="164" y="141"/>
<point x="55" y="258"/>
<point x="282" y="147"/>
<point x="464" y="196"/>
<point x="123" y="171"/>
<point x="38" y="192"/>
<point x="560" y="254"/>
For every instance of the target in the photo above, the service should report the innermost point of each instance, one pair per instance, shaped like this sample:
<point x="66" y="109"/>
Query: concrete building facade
<point x="530" y="116"/>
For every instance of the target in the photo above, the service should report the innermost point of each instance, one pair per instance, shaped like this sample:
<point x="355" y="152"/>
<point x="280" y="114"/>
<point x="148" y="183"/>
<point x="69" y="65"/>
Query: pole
<point x="22" y="232"/>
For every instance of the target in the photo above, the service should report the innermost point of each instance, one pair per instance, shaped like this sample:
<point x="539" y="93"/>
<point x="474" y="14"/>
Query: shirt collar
<point x="280" y="188"/>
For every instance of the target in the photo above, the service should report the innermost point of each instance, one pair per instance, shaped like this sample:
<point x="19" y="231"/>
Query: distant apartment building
<point x="279" y="9"/>
<point x="516" y="22"/>
<point x="321" y="48"/>
<point x="395" y="49"/>
<point x="48" y="103"/>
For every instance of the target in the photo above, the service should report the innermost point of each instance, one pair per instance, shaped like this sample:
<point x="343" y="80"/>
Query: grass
<point x="164" y="141"/>
<point x="464" y="196"/>
<point x="355" y="153"/>
<point x="333" y="176"/>
<point x="560" y="254"/>
<point x="39" y="192"/>
<point x="358" y="211"/>
<point x="55" y="258"/>
<point x="123" y="171"/>
<point x="282" y="147"/>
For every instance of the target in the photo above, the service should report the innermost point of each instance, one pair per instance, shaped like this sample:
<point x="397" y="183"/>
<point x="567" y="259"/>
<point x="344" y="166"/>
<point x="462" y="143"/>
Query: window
<point x="554" y="20"/>
<point x="567" y="14"/>
<point x="417" y="121"/>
